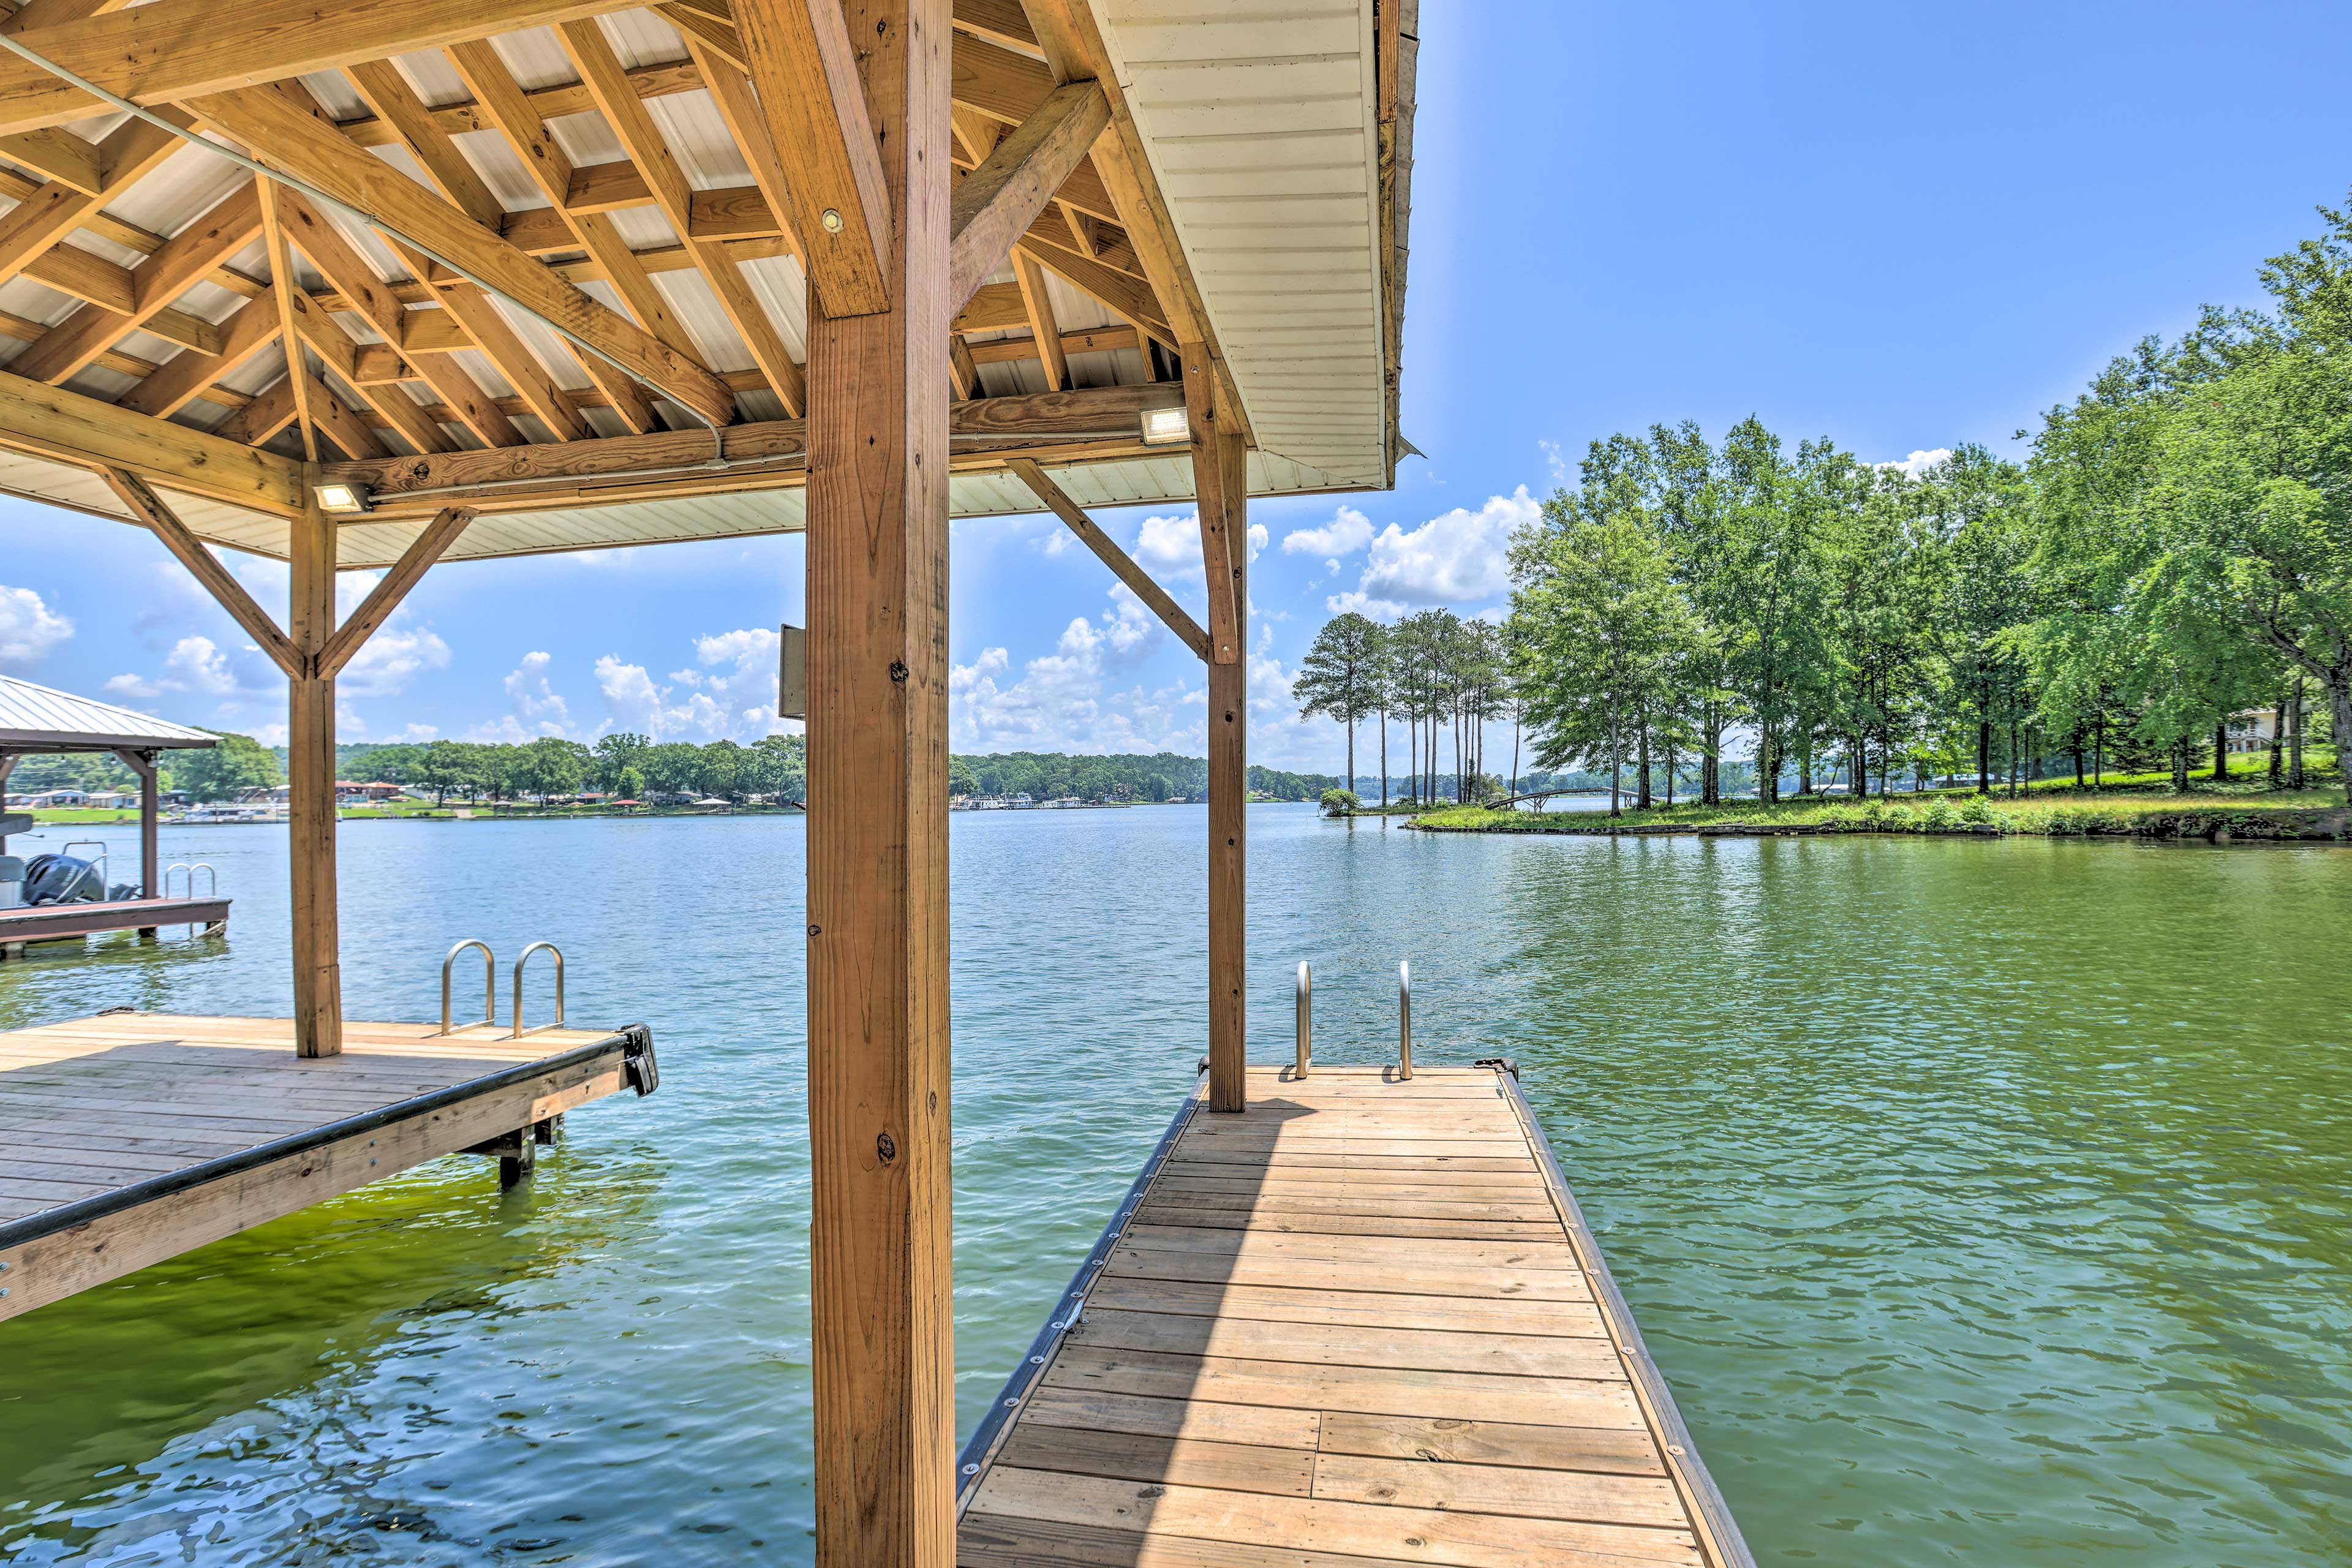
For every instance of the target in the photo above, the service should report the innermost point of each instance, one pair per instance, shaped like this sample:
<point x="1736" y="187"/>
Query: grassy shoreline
<point x="2143" y="807"/>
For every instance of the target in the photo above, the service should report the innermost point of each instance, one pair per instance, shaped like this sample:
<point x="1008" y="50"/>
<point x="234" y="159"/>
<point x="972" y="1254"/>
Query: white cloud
<point x="1554" y="461"/>
<point x="1456" y="558"/>
<point x="29" y="628"/>
<point x="194" y="664"/>
<point x="1917" y="464"/>
<point x="537" y="708"/>
<point x="390" y="659"/>
<point x="638" y="703"/>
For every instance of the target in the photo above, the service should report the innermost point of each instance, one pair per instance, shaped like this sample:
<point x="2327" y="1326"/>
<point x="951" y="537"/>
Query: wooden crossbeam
<point x="340" y="423"/>
<point x="600" y="68"/>
<point x="294" y="310"/>
<point x="383" y="599"/>
<point x="1141" y="582"/>
<point x="263" y="417"/>
<point x="802" y="61"/>
<point x="48" y="215"/>
<point x="148" y="508"/>
<point x="51" y="422"/>
<point x="188" y="376"/>
<point x="997" y="202"/>
<point x="155" y="282"/>
<point x="59" y="155"/>
<point x="1045" y="330"/>
<point x="280" y="132"/>
<point x="174" y="50"/>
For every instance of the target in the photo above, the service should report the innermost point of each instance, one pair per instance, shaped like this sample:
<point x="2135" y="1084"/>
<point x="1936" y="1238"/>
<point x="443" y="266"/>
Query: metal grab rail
<point x="1306" y="1019"/>
<point x="489" y="986"/>
<point x="535" y="947"/>
<point x="1404" y="1020"/>
<point x="212" y="878"/>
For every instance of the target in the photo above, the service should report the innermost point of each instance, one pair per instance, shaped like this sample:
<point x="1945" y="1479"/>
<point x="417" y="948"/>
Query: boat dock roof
<point x="1362" y="1321"/>
<point x="129" y="1138"/>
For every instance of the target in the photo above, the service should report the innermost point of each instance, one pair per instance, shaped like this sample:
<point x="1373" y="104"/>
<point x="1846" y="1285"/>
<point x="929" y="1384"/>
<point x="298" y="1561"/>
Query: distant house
<point x="346" y="791"/>
<point x="2253" y="730"/>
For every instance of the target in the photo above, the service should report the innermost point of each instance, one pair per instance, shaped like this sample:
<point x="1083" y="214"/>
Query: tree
<point x="225" y="770"/>
<point x="614" y="753"/>
<point x="1338" y="677"/>
<point x="1604" y="622"/>
<point x="549" y="765"/>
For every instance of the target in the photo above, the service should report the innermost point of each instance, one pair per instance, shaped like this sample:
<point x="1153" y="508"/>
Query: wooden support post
<point x="8" y="766"/>
<point x="881" y="1305"/>
<point x="150" y="859"/>
<point x="1219" y="483"/>
<point x="310" y="776"/>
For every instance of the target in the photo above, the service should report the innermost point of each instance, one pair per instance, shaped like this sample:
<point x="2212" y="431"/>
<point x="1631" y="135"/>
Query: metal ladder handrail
<point x="1306" y="1018"/>
<point x="1405" y="1019"/>
<point x="489" y="986"/>
<point x="212" y="878"/>
<point x="518" y="1030"/>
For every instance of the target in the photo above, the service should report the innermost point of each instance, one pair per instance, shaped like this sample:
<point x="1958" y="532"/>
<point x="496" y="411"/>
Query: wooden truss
<point x="272" y="321"/>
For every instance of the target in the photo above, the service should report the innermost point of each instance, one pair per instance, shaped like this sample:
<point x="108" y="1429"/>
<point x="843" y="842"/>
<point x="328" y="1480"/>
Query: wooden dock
<point x="1363" y="1323"/>
<point x="48" y="922"/>
<point x="129" y="1138"/>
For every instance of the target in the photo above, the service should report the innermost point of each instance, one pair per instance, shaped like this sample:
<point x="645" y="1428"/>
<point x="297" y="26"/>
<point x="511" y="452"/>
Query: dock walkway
<point x="128" y="1138"/>
<point x="1363" y="1323"/>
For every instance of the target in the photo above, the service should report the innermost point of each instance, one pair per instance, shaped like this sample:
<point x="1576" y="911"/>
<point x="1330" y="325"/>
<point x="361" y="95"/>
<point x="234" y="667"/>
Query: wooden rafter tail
<point x="805" y="69"/>
<point x="1013" y="186"/>
<point x="282" y="132"/>
<point x="174" y="50"/>
<point x="148" y="508"/>
<point x="1139" y="581"/>
<point x="426" y="549"/>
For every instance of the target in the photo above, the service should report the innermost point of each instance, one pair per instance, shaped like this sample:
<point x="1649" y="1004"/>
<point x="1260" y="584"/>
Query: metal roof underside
<point x="39" y="717"/>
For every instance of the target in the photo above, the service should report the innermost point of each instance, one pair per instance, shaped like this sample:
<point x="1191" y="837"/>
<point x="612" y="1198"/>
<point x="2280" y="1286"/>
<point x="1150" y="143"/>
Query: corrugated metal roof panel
<point x="30" y="714"/>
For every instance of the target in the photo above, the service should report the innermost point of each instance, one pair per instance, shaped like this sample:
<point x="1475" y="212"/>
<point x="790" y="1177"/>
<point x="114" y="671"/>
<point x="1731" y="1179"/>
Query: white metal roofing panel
<point x="1259" y="125"/>
<point x="30" y="712"/>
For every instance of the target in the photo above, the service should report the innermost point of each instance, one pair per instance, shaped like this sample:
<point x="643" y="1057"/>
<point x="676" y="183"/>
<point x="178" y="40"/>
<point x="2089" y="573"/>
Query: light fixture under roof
<point x="1166" y="426"/>
<point x="341" y="498"/>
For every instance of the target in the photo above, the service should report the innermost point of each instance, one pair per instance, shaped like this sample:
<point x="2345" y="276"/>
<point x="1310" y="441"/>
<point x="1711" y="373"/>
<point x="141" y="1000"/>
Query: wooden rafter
<point x="188" y="376"/>
<point x="172" y="50"/>
<point x="800" y="58"/>
<point x="280" y="132"/>
<point x="1045" y="330"/>
<point x="339" y="422"/>
<point x="54" y="210"/>
<point x="264" y="417"/>
<point x="148" y="508"/>
<point x="600" y="68"/>
<point x="1217" y="489"/>
<point x="995" y="203"/>
<point x="293" y="310"/>
<point x="155" y="282"/>
<point x="340" y="262"/>
<point x="1138" y="582"/>
<point x="404" y="573"/>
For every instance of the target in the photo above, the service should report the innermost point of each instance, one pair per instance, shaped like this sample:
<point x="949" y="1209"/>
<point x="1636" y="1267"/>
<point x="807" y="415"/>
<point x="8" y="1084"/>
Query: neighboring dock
<point x="1363" y="1321"/>
<point x="129" y="1138"/>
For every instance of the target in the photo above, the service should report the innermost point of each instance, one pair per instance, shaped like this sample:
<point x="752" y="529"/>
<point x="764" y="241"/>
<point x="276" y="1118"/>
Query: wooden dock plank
<point x="128" y="1138"/>
<point x="1352" y="1326"/>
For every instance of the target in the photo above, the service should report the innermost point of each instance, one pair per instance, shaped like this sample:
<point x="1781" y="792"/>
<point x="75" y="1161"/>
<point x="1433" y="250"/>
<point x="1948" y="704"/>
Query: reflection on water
<point x="1985" y="1202"/>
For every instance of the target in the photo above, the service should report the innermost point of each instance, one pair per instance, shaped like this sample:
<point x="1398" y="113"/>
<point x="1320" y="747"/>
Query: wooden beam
<point x="148" y="508"/>
<point x="282" y="133"/>
<point x="1086" y="340"/>
<point x="340" y="423"/>
<point x="59" y="155"/>
<point x="263" y="417"/>
<point x="1086" y="414"/>
<point x="997" y="202"/>
<point x="600" y="68"/>
<point x="386" y="91"/>
<point x="806" y="70"/>
<point x="1139" y="581"/>
<point x="51" y="422"/>
<point x="155" y="282"/>
<point x="48" y="215"/>
<point x="1045" y="332"/>
<point x="547" y="102"/>
<point x="1224" y="553"/>
<point x="1218" y="482"/>
<point x="177" y="50"/>
<point x="404" y="574"/>
<point x="185" y="376"/>
<point x="310" y="793"/>
<point x="392" y="405"/>
<point x="294" y="311"/>
<point x="479" y="315"/>
<point x="516" y="114"/>
<point x="880" y="1236"/>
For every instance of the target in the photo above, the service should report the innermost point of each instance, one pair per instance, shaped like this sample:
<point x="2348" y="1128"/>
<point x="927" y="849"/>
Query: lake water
<point x="1985" y="1202"/>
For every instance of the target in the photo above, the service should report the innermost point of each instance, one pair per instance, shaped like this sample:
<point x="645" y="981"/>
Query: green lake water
<point x="1984" y="1202"/>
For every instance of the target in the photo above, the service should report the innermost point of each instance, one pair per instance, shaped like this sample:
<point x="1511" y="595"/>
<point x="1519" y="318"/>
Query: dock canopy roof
<point x="550" y="259"/>
<point x="38" y="719"/>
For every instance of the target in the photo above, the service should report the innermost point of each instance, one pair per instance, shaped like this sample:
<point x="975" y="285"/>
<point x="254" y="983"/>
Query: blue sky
<point x="1899" y="226"/>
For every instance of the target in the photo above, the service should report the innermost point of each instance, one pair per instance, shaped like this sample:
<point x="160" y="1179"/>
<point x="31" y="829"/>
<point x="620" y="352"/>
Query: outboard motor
<point x="62" y="880"/>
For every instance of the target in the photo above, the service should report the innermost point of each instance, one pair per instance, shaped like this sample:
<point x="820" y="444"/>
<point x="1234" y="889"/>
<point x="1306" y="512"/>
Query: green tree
<point x="615" y="751"/>
<point x="223" y="772"/>
<point x="1338" y="676"/>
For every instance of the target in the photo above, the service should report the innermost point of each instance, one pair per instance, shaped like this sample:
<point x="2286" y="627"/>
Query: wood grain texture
<point x="806" y="68"/>
<point x="881" y="1302"/>
<point x="310" y="793"/>
<point x="1139" y="581"/>
<point x="997" y="202"/>
<point x="1456" y="1401"/>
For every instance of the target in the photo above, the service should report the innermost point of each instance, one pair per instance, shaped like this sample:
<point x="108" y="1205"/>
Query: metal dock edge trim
<point x="635" y="1044"/>
<point x="1724" y="1545"/>
<point x="979" y="1449"/>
